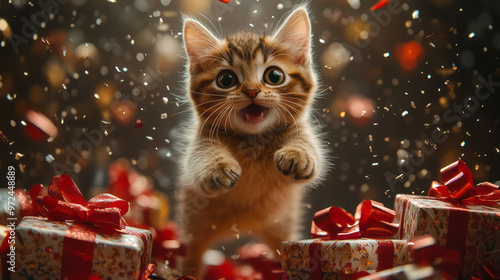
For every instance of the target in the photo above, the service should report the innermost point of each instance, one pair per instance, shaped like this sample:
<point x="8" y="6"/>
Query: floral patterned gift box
<point x="45" y="248"/>
<point x="80" y="240"/>
<point x="341" y="259"/>
<point x="347" y="247"/>
<point x="458" y="215"/>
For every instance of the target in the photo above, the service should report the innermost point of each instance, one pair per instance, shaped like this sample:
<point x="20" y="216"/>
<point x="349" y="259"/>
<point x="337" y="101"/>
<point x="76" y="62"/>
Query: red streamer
<point x="379" y="5"/>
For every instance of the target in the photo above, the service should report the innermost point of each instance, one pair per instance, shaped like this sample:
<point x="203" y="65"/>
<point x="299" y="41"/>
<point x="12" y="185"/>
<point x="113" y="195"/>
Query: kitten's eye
<point x="226" y="79"/>
<point x="274" y="76"/>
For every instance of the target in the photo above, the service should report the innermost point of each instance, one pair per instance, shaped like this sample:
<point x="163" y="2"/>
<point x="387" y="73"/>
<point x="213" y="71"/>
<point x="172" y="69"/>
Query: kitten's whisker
<point x="291" y="115"/>
<point x="206" y="42"/>
<point x="195" y="106"/>
<point x="235" y="116"/>
<point x="219" y="34"/>
<point x="228" y="118"/>
<point x="206" y="102"/>
<point x="201" y="93"/>
<point x="223" y="117"/>
<point x="289" y="104"/>
<point x="280" y="113"/>
<point x="206" y="120"/>
<point x="215" y="125"/>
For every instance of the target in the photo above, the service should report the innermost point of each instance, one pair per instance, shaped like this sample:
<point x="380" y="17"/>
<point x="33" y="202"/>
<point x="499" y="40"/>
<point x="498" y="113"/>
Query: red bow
<point x="66" y="202"/>
<point x="458" y="187"/>
<point x="371" y="220"/>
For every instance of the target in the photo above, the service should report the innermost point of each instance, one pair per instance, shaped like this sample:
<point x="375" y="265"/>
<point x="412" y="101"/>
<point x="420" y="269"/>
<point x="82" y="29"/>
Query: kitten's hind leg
<point x="273" y="235"/>
<point x="192" y="265"/>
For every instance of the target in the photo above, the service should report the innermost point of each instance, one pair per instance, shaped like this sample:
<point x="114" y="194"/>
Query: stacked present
<point x="77" y="239"/>
<point x="463" y="219"/>
<point x="148" y="207"/>
<point x="346" y="246"/>
<point x="460" y="216"/>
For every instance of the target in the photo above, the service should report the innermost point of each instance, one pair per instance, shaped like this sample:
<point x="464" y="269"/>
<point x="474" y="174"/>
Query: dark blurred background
<point x="405" y="89"/>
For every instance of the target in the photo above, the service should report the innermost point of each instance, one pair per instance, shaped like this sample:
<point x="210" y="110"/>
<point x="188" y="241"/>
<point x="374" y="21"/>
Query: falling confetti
<point x="45" y="41"/>
<point x="409" y="54"/>
<point x="49" y="158"/>
<point x="138" y="124"/>
<point x="415" y="14"/>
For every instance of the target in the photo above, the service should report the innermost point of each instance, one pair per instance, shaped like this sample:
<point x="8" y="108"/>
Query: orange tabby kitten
<point x="252" y="149"/>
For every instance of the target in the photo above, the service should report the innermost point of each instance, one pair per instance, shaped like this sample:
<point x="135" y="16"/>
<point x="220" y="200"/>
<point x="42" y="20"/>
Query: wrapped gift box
<point x="43" y="248"/>
<point x="473" y="230"/>
<point x="148" y="207"/>
<point x="341" y="259"/>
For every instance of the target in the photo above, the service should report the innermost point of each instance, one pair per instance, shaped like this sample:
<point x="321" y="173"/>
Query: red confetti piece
<point x="38" y="127"/>
<point x="409" y="54"/>
<point x="225" y="1"/>
<point x="138" y="124"/>
<point x="380" y="4"/>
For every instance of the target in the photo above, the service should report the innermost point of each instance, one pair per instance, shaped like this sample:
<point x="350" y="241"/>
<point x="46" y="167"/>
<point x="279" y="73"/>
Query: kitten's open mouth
<point x="254" y="113"/>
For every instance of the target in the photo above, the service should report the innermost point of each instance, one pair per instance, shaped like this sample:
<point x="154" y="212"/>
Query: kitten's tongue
<point x="254" y="113"/>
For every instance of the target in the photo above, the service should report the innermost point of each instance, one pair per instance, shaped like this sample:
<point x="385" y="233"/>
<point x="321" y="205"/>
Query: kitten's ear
<point x="295" y="34"/>
<point x="198" y="40"/>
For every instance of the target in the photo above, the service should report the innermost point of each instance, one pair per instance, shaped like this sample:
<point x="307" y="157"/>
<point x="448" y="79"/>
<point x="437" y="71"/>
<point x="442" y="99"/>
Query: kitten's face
<point x="248" y="83"/>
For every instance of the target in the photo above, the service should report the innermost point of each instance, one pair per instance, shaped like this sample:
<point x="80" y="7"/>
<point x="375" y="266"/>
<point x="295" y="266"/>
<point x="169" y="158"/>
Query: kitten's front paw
<point x="296" y="162"/>
<point x="220" y="177"/>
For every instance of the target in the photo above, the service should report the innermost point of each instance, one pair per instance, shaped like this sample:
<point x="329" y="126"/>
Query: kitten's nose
<point x="252" y="93"/>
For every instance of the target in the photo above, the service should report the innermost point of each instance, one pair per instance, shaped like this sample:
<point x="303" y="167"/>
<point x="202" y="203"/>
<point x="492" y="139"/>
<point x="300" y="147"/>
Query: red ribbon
<point x="426" y="252"/>
<point x="65" y="202"/>
<point x="371" y="220"/>
<point x="458" y="187"/>
<point x="78" y="252"/>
